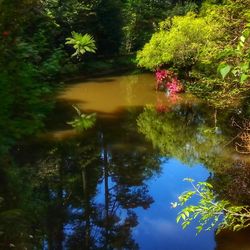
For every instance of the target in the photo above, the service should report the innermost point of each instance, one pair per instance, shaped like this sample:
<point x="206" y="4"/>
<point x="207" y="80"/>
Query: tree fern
<point x="81" y="43"/>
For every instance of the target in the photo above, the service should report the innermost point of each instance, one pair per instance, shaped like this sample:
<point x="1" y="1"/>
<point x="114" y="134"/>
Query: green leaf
<point x="243" y="39"/>
<point x="185" y="224"/>
<point x="243" y="78"/>
<point x="235" y="71"/>
<point x="241" y="44"/>
<point x="206" y="184"/>
<point x="178" y="218"/>
<point x="199" y="228"/>
<point x="244" y="66"/>
<point x="224" y="70"/>
<point x="237" y="227"/>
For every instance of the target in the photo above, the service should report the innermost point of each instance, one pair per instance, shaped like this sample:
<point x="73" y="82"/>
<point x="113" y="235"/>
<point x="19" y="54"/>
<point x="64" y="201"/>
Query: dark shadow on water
<point x="227" y="240"/>
<point x="87" y="78"/>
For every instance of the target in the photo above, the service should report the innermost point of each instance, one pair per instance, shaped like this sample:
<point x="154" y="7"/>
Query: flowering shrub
<point x="167" y="80"/>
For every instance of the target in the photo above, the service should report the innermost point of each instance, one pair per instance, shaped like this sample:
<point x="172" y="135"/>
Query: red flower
<point x="6" y="33"/>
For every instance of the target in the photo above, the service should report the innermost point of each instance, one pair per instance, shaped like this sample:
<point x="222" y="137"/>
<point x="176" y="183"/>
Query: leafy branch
<point x="210" y="211"/>
<point x="82" y="121"/>
<point x="241" y="53"/>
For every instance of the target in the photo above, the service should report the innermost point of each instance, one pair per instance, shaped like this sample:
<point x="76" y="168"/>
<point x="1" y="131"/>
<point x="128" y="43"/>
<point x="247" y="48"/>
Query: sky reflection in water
<point x="121" y="199"/>
<point x="157" y="228"/>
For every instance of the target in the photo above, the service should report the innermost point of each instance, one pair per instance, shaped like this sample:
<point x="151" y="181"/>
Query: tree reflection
<point x="18" y="209"/>
<point x="190" y="133"/>
<point x="228" y="240"/>
<point x="77" y="194"/>
<point x="124" y="176"/>
<point x="234" y="184"/>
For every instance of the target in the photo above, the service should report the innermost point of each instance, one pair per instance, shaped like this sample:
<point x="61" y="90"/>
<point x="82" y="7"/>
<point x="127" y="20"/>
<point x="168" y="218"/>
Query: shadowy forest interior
<point x="125" y="124"/>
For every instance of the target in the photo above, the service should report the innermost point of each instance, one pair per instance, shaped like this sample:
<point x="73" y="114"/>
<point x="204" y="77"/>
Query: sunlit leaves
<point x="81" y="43"/>
<point x="243" y="78"/>
<point x="189" y="142"/>
<point x="239" y="61"/>
<point x="185" y="197"/>
<point x="224" y="69"/>
<point x="188" y="40"/>
<point x="82" y="121"/>
<point x="210" y="211"/>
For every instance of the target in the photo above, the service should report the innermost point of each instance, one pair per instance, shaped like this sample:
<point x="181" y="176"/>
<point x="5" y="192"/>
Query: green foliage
<point x="210" y="211"/>
<point x="140" y="19"/>
<point x="233" y="81"/>
<point x="181" y="9"/>
<point x="216" y="40"/>
<point x="25" y="92"/>
<point x="239" y="57"/>
<point x="33" y="57"/>
<point x="224" y="69"/>
<point x="232" y="15"/>
<point x="187" y="40"/>
<point x="69" y="12"/>
<point x="24" y="102"/>
<point x="82" y="121"/>
<point x="215" y="92"/>
<point x="81" y="43"/>
<point x="108" y="26"/>
<point x="178" y="132"/>
<point x="51" y="68"/>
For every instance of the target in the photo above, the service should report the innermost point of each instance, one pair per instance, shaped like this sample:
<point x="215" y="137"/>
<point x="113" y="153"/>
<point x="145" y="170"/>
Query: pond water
<point x="112" y="186"/>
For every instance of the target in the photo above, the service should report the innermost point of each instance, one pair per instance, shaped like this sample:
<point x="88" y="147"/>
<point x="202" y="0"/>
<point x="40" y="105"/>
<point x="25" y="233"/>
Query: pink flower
<point x="166" y="79"/>
<point x="160" y="75"/>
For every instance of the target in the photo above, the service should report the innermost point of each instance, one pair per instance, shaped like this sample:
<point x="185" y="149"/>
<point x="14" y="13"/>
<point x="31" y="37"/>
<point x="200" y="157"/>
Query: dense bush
<point x="182" y="41"/>
<point x="32" y="59"/>
<point x="210" y="48"/>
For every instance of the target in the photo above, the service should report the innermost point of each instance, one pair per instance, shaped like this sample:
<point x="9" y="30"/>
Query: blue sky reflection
<point x="157" y="229"/>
